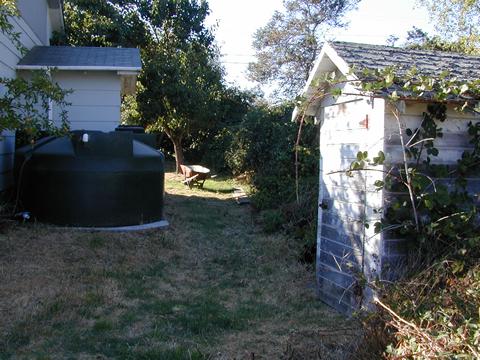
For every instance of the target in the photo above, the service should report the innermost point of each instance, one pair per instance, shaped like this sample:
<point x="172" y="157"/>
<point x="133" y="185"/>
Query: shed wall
<point x="9" y="57"/>
<point x="455" y="138"/>
<point x="451" y="146"/>
<point x="95" y="99"/>
<point x="345" y="247"/>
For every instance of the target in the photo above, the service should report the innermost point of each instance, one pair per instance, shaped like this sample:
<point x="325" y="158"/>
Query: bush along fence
<point x="423" y="233"/>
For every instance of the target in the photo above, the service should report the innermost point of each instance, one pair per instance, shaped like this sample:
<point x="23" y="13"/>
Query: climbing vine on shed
<point x="433" y="212"/>
<point x="433" y="314"/>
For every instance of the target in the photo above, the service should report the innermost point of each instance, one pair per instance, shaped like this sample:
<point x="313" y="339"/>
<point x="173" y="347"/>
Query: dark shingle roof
<point x="82" y="58"/>
<point x="428" y="63"/>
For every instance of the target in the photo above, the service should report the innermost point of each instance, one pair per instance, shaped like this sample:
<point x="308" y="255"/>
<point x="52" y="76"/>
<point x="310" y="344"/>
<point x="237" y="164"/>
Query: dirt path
<point x="212" y="286"/>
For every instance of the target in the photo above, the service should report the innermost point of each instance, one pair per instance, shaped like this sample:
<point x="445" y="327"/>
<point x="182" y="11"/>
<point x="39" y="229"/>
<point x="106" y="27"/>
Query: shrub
<point x="263" y="145"/>
<point x="272" y="220"/>
<point x="433" y="313"/>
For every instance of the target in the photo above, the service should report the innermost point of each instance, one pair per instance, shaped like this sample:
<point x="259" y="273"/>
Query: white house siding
<point x="35" y="14"/>
<point x="9" y="54"/>
<point x="345" y="246"/>
<point x="9" y="57"/>
<point x="451" y="146"/>
<point x="95" y="100"/>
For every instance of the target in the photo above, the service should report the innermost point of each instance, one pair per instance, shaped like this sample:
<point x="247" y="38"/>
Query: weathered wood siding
<point x="455" y="138"/>
<point x="95" y="100"/>
<point x="345" y="246"/>
<point x="9" y="57"/>
<point x="451" y="146"/>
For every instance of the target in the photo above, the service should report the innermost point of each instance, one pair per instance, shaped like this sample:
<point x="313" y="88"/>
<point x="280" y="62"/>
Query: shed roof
<point x="427" y="62"/>
<point x="81" y="58"/>
<point x="345" y="56"/>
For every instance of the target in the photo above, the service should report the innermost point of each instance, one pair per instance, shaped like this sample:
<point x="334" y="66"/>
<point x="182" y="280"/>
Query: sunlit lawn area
<point x="211" y="286"/>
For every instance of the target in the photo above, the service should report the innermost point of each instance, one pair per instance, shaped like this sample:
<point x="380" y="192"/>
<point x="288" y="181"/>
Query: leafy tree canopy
<point x="181" y="79"/>
<point x="103" y="23"/>
<point x="182" y="76"/>
<point x="287" y="46"/>
<point x="456" y="20"/>
<point x="420" y="40"/>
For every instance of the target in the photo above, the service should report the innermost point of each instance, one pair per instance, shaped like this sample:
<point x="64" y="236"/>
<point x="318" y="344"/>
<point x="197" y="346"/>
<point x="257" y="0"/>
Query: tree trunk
<point x="177" y="146"/>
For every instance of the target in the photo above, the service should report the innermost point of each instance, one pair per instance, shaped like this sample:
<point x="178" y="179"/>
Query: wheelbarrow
<point x="195" y="175"/>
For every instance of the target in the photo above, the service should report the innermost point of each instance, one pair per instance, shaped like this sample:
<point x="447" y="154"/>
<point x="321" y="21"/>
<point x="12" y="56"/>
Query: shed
<point x="351" y="123"/>
<point x="96" y="76"/>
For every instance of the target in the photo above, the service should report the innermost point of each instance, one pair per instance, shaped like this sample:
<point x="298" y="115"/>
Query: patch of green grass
<point x="175" y="184"/>
<point x="93" y="298"/>
<point x="219" y="185"/>
<point x="165" y="240"/>
<point x="153" y="270"/>
<point x="205" y="317"/>
<point x="56" y="307"/>
<point x="72" y="340"/>
<point x="252" y="310"/>
<point x="136" y="284"/>
<point x="202" y="317"/>
<point x="230" y="262"/>
<point x="102" y="325"/>
<point x="96" y="241"/>
<point x="201" y="222"/>
<point x="16" y="338"/>
<point x="40" y="356"/>
<point x="178" y="353"/>
<point x="128" y="317"/>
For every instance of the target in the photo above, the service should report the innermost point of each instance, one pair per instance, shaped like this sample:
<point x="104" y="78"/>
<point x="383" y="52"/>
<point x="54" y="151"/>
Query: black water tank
<point x="139" y="134"/>
<point x="133" y="128"/>
<point x="91" y="179"/>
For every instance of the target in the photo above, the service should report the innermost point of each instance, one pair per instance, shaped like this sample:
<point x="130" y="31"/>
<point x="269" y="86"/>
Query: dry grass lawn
<point x="211" y="286"/>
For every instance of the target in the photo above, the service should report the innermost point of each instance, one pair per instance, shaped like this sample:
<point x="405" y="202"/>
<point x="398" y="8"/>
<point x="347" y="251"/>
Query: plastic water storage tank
<point x="92" y="179"/>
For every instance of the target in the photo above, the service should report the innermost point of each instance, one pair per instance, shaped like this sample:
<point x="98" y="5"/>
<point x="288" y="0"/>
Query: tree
<point x="103" y="23"/>
<point x="420" y="40"/>
<point x="456" y="20"/>
<point x="288" y="45"/>
<point x="182" y="76"/>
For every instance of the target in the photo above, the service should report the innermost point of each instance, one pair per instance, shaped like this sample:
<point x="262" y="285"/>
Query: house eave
<point x="130" y="70"/>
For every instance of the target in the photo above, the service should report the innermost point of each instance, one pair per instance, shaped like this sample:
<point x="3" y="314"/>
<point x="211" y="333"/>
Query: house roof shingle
<point x="82" y="58"/>
<point x="428" y="63"/>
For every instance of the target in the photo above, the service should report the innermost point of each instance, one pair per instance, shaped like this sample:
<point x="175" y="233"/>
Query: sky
<point x="372" y="23"/>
